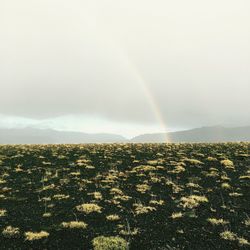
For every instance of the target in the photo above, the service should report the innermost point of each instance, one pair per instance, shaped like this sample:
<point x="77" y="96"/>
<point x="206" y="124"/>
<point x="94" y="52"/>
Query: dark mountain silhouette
<point x="49" y="136"/>
<point x="204" y="134"/>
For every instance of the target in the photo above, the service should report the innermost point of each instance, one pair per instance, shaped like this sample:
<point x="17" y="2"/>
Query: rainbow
<point x="150" y="99"/>
<point x="145" y="87"/>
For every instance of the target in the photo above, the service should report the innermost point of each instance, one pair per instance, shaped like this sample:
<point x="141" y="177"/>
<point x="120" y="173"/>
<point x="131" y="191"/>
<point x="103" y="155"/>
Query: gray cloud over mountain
<point x="97" y="57"/>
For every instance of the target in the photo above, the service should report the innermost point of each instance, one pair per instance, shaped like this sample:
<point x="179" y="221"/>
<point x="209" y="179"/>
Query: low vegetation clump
<point x="227" y="164"/>
<point x="243" y="242"/>
<point x="244" y="177"/>
<point x="47" y="215"/>
<point x="61" y="196"/>
<point x="216" y="222"/>
<point x="74" y="224"/>
<point x="140" y="209"/>
<point x="209" y="158"/>
<point x="193" y="161"/>
<point x="125" y="196"/>
<point x="30" y="236"/>
<point x="157" y="202"/>
<point x="3" y="212"/>
<point x="142" y="188"/>
<point x="113" y="217"/>
<point x="129" y="232"/>
<point x="116" y="191"/>
<point x="144" y="168"/>
<point x="176" y="215"/>
<point x="235" y="194"/>
<point x="247" y="222"/>
<point x="228" y="235"/>
<point x="109" y="243"/>
<point x="11" y="232"/>
<point x="178" y="169"/>
<point x="193" y="201"/>
<point x="88" y="208"/>
<point x="97" y="195"/>
<point x="225" y="185"/>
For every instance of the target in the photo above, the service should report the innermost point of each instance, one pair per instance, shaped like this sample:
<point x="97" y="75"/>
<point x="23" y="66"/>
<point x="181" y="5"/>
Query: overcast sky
<point x="124" y="66"/>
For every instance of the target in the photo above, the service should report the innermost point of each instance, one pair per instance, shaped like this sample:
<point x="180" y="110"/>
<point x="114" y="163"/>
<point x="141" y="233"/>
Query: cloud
<point x="61" y="58"/>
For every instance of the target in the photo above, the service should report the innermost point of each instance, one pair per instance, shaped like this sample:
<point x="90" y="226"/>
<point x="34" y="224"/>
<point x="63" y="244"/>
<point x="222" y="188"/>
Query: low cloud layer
<point x="122" y="60"/>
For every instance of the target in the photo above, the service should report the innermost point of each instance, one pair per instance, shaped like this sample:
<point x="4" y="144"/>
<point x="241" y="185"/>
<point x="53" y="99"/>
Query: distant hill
<point x="204" y="134"/>
<point x="49" y="136"/>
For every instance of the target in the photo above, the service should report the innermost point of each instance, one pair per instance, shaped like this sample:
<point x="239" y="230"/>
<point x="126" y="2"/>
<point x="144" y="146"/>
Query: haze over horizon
<point x="124" y="67"/>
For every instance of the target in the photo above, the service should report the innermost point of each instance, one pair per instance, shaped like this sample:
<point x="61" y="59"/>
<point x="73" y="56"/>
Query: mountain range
<point x="203" y="134"/>
<point x="49" y="136"/>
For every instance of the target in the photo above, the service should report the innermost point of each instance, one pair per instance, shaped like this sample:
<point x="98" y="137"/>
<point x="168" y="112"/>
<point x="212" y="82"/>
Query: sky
<point x="125" y="67"/>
